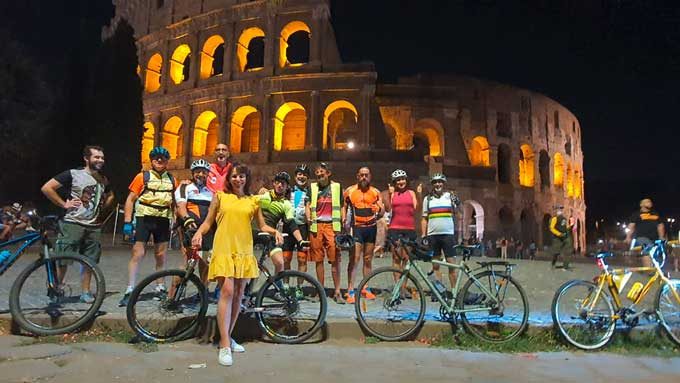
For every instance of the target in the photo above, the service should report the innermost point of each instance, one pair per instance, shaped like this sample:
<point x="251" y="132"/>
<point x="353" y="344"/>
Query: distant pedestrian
<point x="504" y="248"/>
<point x="532" y="250"/>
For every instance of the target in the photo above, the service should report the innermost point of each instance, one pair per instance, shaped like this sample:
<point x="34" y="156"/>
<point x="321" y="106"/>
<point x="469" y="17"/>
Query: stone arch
<point x="148" y="140"/>
<point x="206" y="130"/>
<point x="567" y="146"/>
<point x="526" y="166"/>
<point x="340" y="125"/>
<point x="294" y="43"/>
<point x="527" y="226"/>
<point x="547" y="236"/>
<point x="172" y="137"/>
<point x="558" y="170"/>
<point x="507" y="221"/>
<point x="245" y="130"/>
<point x="212" y="57"/>
<point x="544" y="169"/>
<point x="152" y="82"/>
<point x="479" y="152"/>
<point x="504" y="154"/>
<point x="473" y="220"/>
<point x="250" y="49"/>
<point x="392" y="134"/>
<point x="432" y="130"/>
<point x="290" y="124"/>
<point x="180" y="64"/>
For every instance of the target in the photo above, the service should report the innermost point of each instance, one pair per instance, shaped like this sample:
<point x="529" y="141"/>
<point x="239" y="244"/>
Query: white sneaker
<point x="224" y="357"/>
<point x="237" y="347"/>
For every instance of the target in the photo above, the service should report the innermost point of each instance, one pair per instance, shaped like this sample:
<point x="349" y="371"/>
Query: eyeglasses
<point x="160" y="159"/>
<point x="221" y="150"/>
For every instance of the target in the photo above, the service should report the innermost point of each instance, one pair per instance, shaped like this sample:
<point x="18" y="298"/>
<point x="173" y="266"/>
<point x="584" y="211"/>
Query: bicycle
<point x="38" y="301"/>
<point x="491" y="304"/>
<point x="585" y="313"/>
<point x="283" y="315"/>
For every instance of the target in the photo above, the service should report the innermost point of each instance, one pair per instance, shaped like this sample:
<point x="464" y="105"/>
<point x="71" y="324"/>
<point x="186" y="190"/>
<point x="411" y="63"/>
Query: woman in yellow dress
<point x="233" y="262"/>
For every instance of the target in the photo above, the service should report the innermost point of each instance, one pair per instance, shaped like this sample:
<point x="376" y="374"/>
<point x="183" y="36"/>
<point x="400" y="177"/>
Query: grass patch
<point x="647" y="343"/>
<point x="146" y="347"/>
<point x="371" y="340"/>
<point x="95" y="335"/>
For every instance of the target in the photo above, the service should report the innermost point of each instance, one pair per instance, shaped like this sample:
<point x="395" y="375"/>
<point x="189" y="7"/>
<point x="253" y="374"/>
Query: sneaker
<point x="160" y="293"/>
<point x="350" y="297"/>
<point x="235" y="347"/>
<point x="299" y="294"/>
<point x="224" y="357"/>
<point x="366" y="293"/>
<point x="124" y="302"/>
<point x="339" y="299"/>
<point x="86" y="297"/>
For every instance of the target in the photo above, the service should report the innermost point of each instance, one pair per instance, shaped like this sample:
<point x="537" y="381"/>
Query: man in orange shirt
<point x="364" y="204"/>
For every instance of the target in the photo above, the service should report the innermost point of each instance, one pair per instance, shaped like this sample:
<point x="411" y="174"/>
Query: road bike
<point x="42" y="301"/>
<point x="585" y="313"/>
<point x="491" y="304"/>
<point x="283" y="313"/>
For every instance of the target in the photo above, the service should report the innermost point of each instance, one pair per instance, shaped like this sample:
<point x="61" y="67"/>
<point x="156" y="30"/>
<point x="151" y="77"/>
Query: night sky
<point x="614" y="64"/>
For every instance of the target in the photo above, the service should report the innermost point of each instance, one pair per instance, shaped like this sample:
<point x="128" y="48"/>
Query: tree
<point x="115" y="110"/>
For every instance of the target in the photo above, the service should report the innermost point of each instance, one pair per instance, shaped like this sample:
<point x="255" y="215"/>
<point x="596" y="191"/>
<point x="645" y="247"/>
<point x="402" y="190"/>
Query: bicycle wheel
<point x="667" y="305"/>
<point x="42" y="308"/>
<point x="497" y="318"/>
<point x="583" y="323"/>
<point x="398" y="310"/>
<point x="283" y="316"/>
<point x="158" y="317"/>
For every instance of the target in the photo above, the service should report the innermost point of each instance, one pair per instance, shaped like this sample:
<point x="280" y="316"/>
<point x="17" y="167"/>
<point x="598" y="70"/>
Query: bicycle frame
<point x="29" y="238"/>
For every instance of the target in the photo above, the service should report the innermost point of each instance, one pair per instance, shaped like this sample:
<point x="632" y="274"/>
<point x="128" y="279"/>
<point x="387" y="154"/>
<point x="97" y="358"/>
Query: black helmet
<point x="423" y="250"/>
<point x="344" y="241"/>
<point x="283" y="177"/>
<point x="302" y="168"/>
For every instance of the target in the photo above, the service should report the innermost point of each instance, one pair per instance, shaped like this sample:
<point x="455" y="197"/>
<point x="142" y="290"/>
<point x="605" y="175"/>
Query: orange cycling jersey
<point x="364" y="205"/>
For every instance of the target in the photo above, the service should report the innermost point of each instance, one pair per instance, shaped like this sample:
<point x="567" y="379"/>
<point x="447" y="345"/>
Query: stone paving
<point x="536" y="277"/>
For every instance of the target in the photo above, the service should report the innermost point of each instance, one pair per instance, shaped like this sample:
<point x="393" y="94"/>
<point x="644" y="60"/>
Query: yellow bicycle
<point x="586" y="313"/>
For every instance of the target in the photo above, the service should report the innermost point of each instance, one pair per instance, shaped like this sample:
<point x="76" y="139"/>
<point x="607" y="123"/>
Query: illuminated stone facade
<point x="266" y="77"/>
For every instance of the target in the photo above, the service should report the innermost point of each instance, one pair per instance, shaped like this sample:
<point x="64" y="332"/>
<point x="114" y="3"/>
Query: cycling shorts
<point x="443" y="243"/>
<point x="147" y="226"/>
<point x="364" y="235"/>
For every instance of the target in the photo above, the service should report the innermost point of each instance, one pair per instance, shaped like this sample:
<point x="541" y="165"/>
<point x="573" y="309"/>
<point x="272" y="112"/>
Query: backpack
<point x="147" y="176"/>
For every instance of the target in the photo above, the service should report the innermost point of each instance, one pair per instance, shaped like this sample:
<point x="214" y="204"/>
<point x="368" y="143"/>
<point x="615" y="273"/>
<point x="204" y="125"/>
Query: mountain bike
<point x="40" y="301"/>
<point x="491" y="304"/>
<point x="283" y="314"/>
<point x="585" y="313"/>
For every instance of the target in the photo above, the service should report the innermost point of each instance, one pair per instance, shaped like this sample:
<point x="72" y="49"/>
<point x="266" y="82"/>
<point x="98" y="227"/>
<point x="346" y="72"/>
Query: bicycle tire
<point x="667" y="308"/>
<point x="55" y="310"/>
<point x="487" y="325"/>
<point x="396" y="311"/>
<point x="142" y="323"/>
<point x="562" y="320"/>
<point x="282" y="328"/>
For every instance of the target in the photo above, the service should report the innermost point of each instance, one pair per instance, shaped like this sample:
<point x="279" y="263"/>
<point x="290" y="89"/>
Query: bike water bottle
<point x="4" y="255"/>
<point x="435" y="282"/>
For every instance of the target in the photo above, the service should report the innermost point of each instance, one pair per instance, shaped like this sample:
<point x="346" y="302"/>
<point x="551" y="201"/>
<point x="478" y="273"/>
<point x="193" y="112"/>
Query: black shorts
<point x="290" y="243"/>
<point x="394" y="234"/>
<point x="147" y="226"/>
<point x="443" y="243"/>
<point x="364" y="234"/>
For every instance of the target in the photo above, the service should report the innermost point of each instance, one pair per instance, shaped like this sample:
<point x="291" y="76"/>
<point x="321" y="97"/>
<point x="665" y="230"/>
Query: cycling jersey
<point x="363" y="204"/>
<point x="155" y="196"/>
<point x="439" y="214"/>
<point x="198" y="203"/>
<point x="299" y="197"/>
<point x="646" y="224"/>
<point x="403" y="210"/>
<point x="275" y="209"/>
<point x="559" y="226"/>
<point x="217" y="176"/>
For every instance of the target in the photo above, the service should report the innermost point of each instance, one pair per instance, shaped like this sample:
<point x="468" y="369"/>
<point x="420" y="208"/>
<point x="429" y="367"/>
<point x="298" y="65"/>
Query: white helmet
<point x="200" y="164"/>
<point x="398" y="174"/>
<point x="438" y="177"/>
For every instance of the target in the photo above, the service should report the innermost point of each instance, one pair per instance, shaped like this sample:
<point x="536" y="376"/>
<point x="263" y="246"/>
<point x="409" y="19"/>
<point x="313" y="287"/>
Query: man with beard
<point x="299" y="198"/>
<point x="437" y="223"/>
<point x="325" y="216"/>
<point x="220" y="168"/>
<point x="84" y="194"/>
<point x="365" y="205"/>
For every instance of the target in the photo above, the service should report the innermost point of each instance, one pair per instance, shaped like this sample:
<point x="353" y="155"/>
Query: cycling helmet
<point x="282" y="176"/>
<point x="302" y="168"/>
<point x="159" y="151"/>
<point x="423" y="250"/>
<point x="200" y="164"/>
<point x="398" y="174"/>
<point x="438" y="177"/>
<point x="344" y="241"/>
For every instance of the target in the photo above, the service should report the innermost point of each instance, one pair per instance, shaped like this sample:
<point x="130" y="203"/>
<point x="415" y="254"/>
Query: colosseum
<point x="267" y="78"/>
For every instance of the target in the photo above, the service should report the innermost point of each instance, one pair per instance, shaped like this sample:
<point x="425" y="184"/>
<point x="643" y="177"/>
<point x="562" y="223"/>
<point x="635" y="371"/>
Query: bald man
<point x="646" y="226"/>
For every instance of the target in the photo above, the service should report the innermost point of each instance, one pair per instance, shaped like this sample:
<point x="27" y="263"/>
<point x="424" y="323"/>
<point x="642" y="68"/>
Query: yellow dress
<point x="233" y="255"/>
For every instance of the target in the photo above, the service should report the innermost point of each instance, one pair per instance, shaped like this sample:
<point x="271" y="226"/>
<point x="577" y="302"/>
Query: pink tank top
<point x="402" y="211"/>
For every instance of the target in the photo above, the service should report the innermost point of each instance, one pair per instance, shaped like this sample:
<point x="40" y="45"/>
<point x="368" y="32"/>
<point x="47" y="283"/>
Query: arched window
<point x="504" y="164"/>
<point x="172" y="137"/>
<point x="567" y="146"/>
<point x="147" y="141"/>
<point x="294" y="44"/>
<point x="212" y="57"/>
<point x="250" y="49"/>
<point x="473" y="220"/>
<point x="528" y="226"/>
<point x="547" y="235"/>
<point x="570" y="180"/>
<point x="340" y="125"/>
<point x="205" y="134"/>
<point x="479" y="152"/>
<point x="526" y="166"/>
<point x="180" y="64"/>
<point x="578" y="182"/>
<point x="152" y="82"/>
<point x="290" y="127"/>
<point x="558" y="170"/>
<point x="507" y="221"/>
<point x="245" y="130"/>
<point x="544" y="169"/>
<point x="432" y="130"/>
